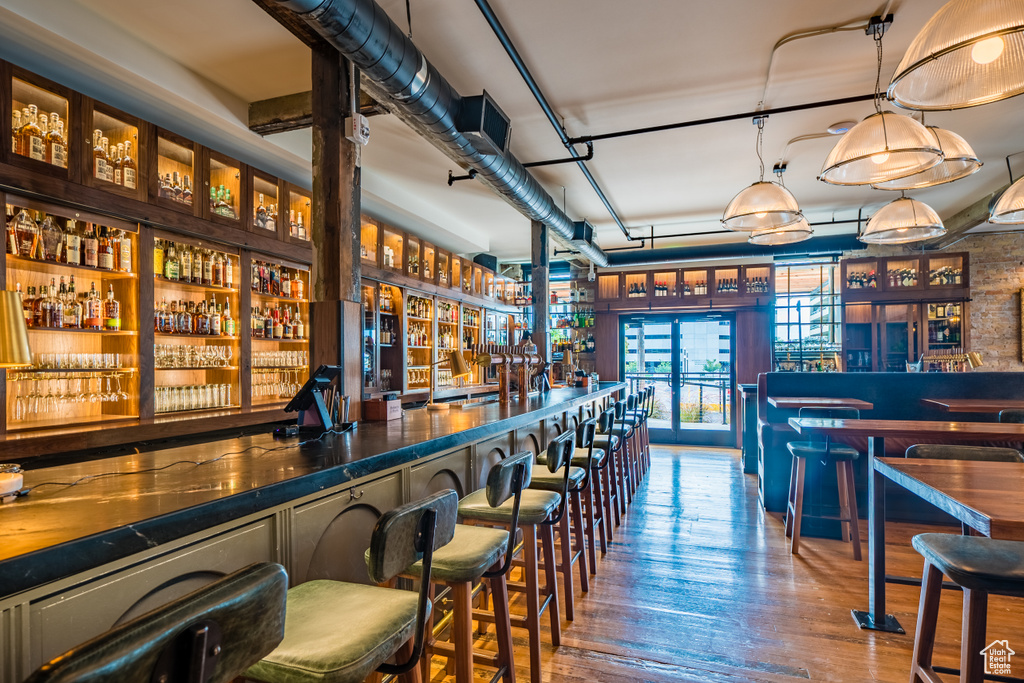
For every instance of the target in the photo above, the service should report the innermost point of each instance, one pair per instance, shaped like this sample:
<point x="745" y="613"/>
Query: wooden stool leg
<point x="791" y="499"/>
<point x="854" y="513"/>
<point x="503" y="627"/>
<point x="591" y="523"/>
<point x="927" y="620"/>
<point x="798" y="510"/>
<point x="613" y="472"/>
<point x="972" y="664"/>
<point x="581" y="539"/>
<point x="403" y="654"/>
<point x="844" y="500"/>
<point x="565" y="537"/>
<point x="597" y="484"/>
<point x="428" y="635"/>
<point x="547" y="537"/>
<point x="462" y="627"/>
<point x="532" y="597"/>
<point x="610" y="515"/>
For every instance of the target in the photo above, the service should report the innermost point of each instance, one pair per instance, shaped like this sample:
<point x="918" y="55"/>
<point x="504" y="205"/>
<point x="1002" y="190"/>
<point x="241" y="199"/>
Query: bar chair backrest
<point x="507" y="479"/>
<point x="1011" y="415"/>
<point x="585" y="439"/>
<point x="211" y="635"/>
<point x="430" y="524"/>
<point x="559" y="455"/>
<point x="976" y="453"/>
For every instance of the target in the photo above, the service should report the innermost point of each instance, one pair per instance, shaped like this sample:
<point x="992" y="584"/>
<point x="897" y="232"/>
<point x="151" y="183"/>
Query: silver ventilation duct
<point x="400" y="77"/>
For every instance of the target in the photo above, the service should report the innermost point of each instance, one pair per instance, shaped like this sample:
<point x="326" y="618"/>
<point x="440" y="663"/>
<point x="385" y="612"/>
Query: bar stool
<point x="338" y="632"/>
<point x="607" y="443"/>
<point x="981" y="566"/>
<point x="539" y="511"/>
<point x="613" y="445"/>
<point x="211" y="635"/>
<point x="828" y="452"/>
<point x="476" y="552"/>
<point x="631" y="446"/>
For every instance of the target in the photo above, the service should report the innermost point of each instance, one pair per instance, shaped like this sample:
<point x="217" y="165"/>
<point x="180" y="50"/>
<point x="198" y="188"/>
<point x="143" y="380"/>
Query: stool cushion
<point x="601" y="441"/>
<point x="976" y="562"/>
<point x="471" y="552"/>
<point x="579" y="459"/>
<point x="535" y="508"/>
<point x="322" y="644"/>
<point x="552" y="481"/>
<point x="816" y="449"/>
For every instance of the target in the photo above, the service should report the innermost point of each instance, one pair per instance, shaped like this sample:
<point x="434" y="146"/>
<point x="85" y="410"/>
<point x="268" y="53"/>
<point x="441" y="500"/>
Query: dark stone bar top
<point x="133" y="502"/>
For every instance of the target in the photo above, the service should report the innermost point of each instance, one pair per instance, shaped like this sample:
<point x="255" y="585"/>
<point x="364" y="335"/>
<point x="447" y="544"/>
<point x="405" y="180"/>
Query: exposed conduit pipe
<point x="400" y="77"/>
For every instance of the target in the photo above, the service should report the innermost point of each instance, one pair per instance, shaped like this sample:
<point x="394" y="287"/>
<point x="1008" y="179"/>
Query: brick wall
<point x="997" y="276"/>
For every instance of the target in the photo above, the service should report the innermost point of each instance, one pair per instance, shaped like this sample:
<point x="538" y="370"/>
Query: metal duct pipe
<point x="401" y="78"/>
<point x="816" y="246"/>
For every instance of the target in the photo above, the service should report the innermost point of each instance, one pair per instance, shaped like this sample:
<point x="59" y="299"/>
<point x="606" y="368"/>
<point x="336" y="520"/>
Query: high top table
<point x="984" y="496"/>
<point x="798" y="402"/>
<point x="973" y="405"/>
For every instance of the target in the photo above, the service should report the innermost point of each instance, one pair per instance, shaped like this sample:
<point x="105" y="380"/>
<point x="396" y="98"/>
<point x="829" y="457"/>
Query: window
<point x="807" y="328"/>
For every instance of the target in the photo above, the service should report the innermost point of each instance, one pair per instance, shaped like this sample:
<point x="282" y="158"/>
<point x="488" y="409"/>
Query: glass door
<point x="690" y="362"/>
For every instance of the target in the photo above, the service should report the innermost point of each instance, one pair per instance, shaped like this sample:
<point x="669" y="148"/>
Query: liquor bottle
<point x="32" y="136"/>
<point x="227" y="321"/>
<point x="298" y="287"/>
<point x="186" y="190"/>
<point x="229" y="204"/>
<point x="72" y="307"/>
<point x="108" y="153"/>
<point x="196" y="275"/>
<point x="207" y="267"/>
<point x="52" y="238"/>
<point x="293" y="228"/>
<point x="99" y="155"/>
<point x="72" y="245"/>
<point x="286" y="283"/>
<point x="105" y="255"/>
<point x="185" y="263"/>
<point x="90" y="247"/>
<point x="286" y="325"/>
<point x="12" y="236"/>
<point x="29" y="242"/>
<point x="165" y="186"/>
<point x="260" y="214"/>
<point x="15" y="129"/>
<point x="129" y="169"/>
<point x="216" y="318"/>
<point x="176" y="190"/>
<point x="278" y="324"/>
<point x="117" y="156"/>
<point x="218" y="270"/>
<point x="229" y="273"/>
<point x="171" y="262"/>
<point x="58" y="150"/>
<point x="93" y="309"/>
<point x="272" y="217"/>
<point x="158" y="256"/>
<point x="43" y="121"/>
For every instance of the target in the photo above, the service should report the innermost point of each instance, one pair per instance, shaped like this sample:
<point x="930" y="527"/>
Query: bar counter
<point x="64" y="542"/>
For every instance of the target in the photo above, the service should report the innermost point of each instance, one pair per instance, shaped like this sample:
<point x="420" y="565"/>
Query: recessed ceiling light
<point x="841" y="127"/>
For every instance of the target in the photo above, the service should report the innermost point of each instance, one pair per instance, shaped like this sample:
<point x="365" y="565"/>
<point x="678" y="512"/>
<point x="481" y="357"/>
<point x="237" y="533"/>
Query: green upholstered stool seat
<point x="816" y="449"/>
<point x="552" y="481"/>
<point x="976" y="562"/>
<point x="579" y="458"/>
<point x="338" y="632"/>
<point x="471" y="552"/>
<point x="535" y="508"/>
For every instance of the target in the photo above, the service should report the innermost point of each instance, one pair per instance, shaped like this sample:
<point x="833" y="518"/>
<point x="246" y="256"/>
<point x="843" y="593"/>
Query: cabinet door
<point x="609" y="287"/>
<point x="448" y="472"/>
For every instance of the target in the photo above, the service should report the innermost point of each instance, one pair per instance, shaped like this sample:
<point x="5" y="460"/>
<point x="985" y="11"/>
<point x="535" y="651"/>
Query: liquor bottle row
<point x="39" y="136"/>
<point x="265" y="215"/>
<point x="902" y="277"/>
<point x="861" y="280"/>
<point x="221" y="202"/>
<point x="447" y="313"/>
<point x="419" y="335"/>
<point x="944" y="310"/>
<point x="53" y="308"/>
<point x="114" y="162"/>
<point x="191" y="317"/>
<point x="176" y="187"/>
<point x="699" y="288"/>
<point x="277" y="323"/>
<point x="637" y="289"/>
<point x="945" y="275"/>
<point x="472" y="318"/>
<point x="419" y="307"/>
<point x="44" y="239"/>
<point x="583" y="317"/>
<point x="944" y="331"/>
<point x="277" y="280"/>
<point x="727" y="286"/>
<point x="194" y="265"/>
<point x="758" y="285"/>
<point x="387" y="301"/>
<point x="578" y="345"/>
<point x="447" y="340"/>
<point x="387" y="333"/>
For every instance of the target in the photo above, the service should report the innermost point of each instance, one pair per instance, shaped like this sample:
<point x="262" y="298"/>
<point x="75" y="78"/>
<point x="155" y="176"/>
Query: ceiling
<point x="604" y="66"/>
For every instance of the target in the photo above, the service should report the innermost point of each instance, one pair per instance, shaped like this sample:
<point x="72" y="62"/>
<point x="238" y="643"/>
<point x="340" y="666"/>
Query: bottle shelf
<point x="230" y="368"/>
<point x="62" y="371"/>
<point x="75" y="330"/>
<point x="279" y="297"/>
<point x="167" y="282"/>
<point x="281" y="341"/>
<point x="197" y="410"/>
<point x="59" y="422"/>
<point x="419" y="347"/>
<point x="34" y="265"/>
<point x="186" y="335"/>
<point x="412" y="317"/>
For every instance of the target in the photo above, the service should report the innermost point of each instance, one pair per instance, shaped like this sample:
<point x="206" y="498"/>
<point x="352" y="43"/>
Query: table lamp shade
<point x="14" y="349"/>
<point x="458" y="364"/>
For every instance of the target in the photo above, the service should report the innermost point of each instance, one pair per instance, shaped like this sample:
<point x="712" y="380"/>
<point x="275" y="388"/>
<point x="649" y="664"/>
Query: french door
<point x="690" y="361"/>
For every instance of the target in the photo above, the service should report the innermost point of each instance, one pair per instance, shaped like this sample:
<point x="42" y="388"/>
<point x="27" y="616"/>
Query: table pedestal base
<point x="866" y="621"/>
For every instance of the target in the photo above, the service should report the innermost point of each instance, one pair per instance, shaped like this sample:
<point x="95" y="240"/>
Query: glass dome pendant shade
<point x="883" y="147"/>
<point x="762" y="206"/>
<point x="959" y="161"/>
<point x="1009" y="208"/>
<point x="970" y="52"/>
<point x="788" y="234"/>
<point x="901" y="221"/>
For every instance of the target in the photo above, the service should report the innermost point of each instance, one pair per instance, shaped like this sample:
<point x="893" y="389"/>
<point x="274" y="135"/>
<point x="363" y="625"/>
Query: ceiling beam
<point x="291" y="21"/>
<point x="295" y="111"/>
<point x="965" y="220"/>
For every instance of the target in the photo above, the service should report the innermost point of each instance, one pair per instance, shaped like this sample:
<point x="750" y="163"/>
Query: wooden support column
<point x="540" y="262"/>
<point x="336" y="307"/>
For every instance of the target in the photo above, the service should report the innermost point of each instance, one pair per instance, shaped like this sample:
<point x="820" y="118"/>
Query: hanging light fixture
<point x="787" y="234"/>
<point x="763" y="205"/>
<point x="884" y="146"/>
<point x="970" y="52"/>
<point x="1009" y="208"/>
<point x="901" y="221"/>
<point x="958" y="161"/>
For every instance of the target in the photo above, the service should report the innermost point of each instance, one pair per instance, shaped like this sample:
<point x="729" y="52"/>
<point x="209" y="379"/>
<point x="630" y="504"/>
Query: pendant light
<point x="1009" y="208"/>
<point x="970" y="52"/>
<point x="787" y="234"/>
<point x="958" y="161"/>
<point x="884" y="146"/>
<point x="901" y="221"/>
<point x="763" y="205"/>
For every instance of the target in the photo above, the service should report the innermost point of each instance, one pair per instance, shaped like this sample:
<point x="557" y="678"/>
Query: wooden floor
<point x="699" y="585"/>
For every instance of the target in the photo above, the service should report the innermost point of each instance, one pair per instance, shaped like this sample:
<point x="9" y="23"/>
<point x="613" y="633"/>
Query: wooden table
<point x="797" y="402"/>
<point x="945" y="482"/>
<point x="973" y="405"/>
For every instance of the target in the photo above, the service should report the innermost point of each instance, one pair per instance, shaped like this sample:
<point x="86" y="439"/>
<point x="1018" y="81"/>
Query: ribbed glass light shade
<point x="761" y="206"/>
<point x="881" y="148"/>
<point x="901" y="221"/>
<point x="1009" y="208"/>
<point x="959" y="161"/>
<point x="795" y="232"/>
<point x="970" y="52"/>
